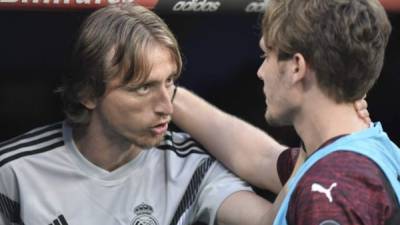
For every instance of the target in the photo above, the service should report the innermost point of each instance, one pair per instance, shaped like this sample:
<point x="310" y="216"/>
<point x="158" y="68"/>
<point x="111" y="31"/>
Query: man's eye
<point x="142" y="90"/>
<point x="170" y="81"/>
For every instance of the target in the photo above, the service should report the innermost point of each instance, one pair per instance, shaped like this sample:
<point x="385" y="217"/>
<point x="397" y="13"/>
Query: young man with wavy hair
<point x="319" y="57"/>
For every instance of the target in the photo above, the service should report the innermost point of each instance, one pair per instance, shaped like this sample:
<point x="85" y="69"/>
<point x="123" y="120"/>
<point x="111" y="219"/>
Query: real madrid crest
<point x="143" y="215"/>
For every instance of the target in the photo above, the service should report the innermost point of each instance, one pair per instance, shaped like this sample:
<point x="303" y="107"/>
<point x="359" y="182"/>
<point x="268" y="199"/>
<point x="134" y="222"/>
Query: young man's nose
<point x="259" y="73"/>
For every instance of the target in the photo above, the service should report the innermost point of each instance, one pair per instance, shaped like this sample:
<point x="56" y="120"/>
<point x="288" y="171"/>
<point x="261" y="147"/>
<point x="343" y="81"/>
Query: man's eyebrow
<point x="153" y="81"/>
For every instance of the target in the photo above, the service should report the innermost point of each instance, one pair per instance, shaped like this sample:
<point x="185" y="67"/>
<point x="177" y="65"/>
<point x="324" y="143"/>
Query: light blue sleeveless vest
<point x="372" y="143"/>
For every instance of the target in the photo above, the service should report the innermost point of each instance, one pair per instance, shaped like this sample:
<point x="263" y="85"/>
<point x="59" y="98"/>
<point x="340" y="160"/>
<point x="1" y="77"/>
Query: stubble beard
<point x="148" y="142"/>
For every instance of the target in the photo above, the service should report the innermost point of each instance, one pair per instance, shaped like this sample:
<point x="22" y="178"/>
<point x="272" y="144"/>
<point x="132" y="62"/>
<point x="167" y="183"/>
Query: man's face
<point x="139" y="113"/>
<point x="275" y="77"/>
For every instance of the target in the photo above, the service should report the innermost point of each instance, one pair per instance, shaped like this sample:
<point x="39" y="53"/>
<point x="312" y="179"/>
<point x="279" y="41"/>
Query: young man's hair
<point x="113" y="42"/>
<point x="343" y="41"/>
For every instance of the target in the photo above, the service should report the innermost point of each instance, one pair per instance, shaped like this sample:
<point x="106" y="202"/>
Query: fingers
<point x="362" y="111"/>
<point x="361" y="105"/>
<point x="364" y="114"/>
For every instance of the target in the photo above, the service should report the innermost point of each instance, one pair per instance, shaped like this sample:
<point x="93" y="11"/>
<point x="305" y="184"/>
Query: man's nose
<point x="259" y="72"/>
<point x="164" y="101"/>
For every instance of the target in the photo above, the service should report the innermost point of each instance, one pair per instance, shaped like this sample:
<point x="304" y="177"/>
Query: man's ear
<point x="298" y="68"/>
<point x="89" y="102"/>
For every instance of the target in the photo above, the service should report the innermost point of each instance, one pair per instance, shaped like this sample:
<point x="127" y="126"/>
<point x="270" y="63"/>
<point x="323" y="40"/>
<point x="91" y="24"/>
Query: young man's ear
<point x="298" y="67"/>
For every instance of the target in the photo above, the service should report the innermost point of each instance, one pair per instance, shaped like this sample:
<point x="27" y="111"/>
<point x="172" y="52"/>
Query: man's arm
<point x="246" y="150"/>
<point x="243" y="207"/>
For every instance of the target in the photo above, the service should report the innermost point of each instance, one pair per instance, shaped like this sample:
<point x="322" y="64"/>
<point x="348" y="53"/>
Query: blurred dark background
<point x="221" y="57"/>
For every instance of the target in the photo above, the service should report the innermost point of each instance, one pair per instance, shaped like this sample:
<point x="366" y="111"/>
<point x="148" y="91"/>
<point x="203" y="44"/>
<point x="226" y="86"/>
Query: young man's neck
<point x="97" y="147"/>
<point x="317" y="125"/>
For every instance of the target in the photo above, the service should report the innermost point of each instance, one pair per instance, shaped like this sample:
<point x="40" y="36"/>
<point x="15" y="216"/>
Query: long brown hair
<point x="113" y="41"/>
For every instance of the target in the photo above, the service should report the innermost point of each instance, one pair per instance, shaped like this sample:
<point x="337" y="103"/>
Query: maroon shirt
<point x="342" y="188"/>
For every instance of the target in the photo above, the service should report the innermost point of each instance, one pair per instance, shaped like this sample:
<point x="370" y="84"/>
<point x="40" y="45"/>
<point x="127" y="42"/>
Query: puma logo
<point x="319" y="188"/>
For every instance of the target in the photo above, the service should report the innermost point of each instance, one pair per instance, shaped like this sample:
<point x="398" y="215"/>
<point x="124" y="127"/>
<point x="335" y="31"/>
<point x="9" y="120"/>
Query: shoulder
<point x="36" y="141"/>
<point x="345" y="165"/>
<point x="182" y="155"/>
<point x="344" y="187"/>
